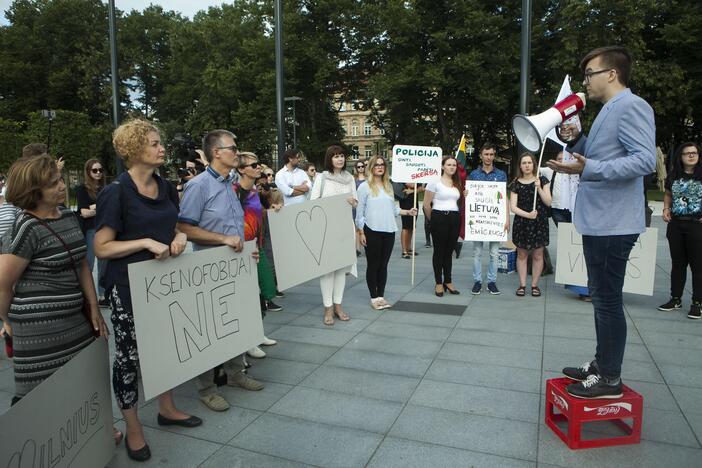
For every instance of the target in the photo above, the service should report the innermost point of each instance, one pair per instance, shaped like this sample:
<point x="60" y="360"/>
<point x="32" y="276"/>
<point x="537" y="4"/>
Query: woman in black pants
<point x="376" y="224"/>
<point x="441" y="201"/>
<point x="682" y="210"/>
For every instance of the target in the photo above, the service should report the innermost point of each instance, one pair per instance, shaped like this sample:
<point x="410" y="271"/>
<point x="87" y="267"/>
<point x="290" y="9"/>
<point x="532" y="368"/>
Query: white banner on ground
<point x="194" y="312"/>
<point x="312" y="239"/>
<point x="416" y="164"/>
<point x="67" y="420"/>
<point x="640" y="270"/>
<point x="486" y="208"/>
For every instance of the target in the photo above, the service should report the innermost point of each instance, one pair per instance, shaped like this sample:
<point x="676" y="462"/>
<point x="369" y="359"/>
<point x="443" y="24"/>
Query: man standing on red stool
<point x="609" y="210"/>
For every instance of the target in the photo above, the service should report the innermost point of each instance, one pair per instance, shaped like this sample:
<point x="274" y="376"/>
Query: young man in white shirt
<point x="292" y="181"/>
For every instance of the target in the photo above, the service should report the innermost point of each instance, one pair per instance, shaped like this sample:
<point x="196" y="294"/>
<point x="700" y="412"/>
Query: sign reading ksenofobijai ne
<point x="193" y="312"/>
<point x="416" y="164"/>
<point x="486" y="211"/>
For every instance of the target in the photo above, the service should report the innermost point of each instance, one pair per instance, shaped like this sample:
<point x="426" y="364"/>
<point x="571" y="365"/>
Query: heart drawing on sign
<point x="311" y="226"/>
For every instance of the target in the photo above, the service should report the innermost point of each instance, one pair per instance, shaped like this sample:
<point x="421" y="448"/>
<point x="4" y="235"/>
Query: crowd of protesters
<point x="222" y="199"/>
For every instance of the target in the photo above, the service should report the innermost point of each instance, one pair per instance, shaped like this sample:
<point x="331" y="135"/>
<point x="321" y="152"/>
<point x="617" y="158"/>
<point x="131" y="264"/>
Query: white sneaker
<point x="376" y="304"/>
<point x="268" y="342"/>
<point x="383" y="303"/>
<point x="256" y="352"/>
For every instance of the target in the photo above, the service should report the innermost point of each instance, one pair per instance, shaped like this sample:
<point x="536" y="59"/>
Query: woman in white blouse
<point x="376" y="224"/>
<point x="335" y="180"/>
<point x="445" y="220"/>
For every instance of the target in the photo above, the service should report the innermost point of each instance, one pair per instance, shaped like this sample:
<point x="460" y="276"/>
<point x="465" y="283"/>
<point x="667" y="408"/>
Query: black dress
<point x="529" y="233"/>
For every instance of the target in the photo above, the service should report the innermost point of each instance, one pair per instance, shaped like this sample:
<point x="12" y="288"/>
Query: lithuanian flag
<point x="461" y="152"/>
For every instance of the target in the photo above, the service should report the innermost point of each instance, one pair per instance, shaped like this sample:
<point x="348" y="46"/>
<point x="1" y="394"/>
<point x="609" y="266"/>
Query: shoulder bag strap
<point x="65" y="246"/>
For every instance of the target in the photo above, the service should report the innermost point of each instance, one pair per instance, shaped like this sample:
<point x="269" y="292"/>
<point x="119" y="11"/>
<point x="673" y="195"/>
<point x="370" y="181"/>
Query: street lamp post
<point x="294" y="99"/>
<point x="48" y="114"/>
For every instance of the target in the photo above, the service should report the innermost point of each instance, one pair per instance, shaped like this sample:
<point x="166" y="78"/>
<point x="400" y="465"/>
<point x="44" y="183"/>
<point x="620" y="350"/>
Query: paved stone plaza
<point x="411" y="389"/>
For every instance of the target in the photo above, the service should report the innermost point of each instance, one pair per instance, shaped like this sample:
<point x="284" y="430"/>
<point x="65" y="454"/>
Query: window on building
<point x="368" y="152"/>
<point x="367" y="128"/>
<point x="354" y="128"/>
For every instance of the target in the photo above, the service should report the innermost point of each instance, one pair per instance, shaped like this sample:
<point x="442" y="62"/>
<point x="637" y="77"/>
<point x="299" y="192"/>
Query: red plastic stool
<point x="576" y="411"/>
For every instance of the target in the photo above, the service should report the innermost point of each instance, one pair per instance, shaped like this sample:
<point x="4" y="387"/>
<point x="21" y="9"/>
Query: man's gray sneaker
<point x="596" y="387"/>
<point x="581" y="373"/>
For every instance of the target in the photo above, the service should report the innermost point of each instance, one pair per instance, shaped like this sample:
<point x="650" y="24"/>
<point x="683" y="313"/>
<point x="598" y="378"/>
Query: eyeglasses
<point x="589" y="74"/>
<point x="312" y="169"/>
<point x="379" y="165"/>
<point x="96" y="171"/>
<point x="360" y="166"/>
<point x="269" y="174"/>
<point x="232" y="147"/>
<point x="253" y="165"/>
<point x="690" y="153"/>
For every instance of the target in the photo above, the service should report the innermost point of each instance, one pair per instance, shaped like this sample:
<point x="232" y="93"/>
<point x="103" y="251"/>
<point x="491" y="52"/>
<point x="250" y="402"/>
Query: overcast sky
<point x="186" y="7"/>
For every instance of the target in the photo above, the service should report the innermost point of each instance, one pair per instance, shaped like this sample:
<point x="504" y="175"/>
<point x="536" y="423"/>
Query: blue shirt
<point x="377" y="212"/>
<point x="209" y="202"/>
<point x="495" y="175"/>
<point x="133" y="216"/>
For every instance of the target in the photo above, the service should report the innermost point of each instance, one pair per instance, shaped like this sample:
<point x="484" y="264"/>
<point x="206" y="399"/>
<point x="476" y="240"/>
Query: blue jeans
<point x="478" y="261"/>
<point x="606" y="258"/>
<point x="90" y="258"/>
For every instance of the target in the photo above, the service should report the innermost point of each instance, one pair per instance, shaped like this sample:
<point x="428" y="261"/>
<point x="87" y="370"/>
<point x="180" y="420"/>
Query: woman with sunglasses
<point x="335" y="180"/>
<point x="359" y="175"/>
<point x="86" y="194"/>
<point x="376" y="224"/>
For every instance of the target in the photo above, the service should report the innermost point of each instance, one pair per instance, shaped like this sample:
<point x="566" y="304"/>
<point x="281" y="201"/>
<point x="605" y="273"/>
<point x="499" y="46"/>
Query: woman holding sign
<point x="441" y="208"/>
<point x="136" y="219"/>
<point x="375" y="220"/>
<point x="530" y="228"/>
<point x="335" y="180"/>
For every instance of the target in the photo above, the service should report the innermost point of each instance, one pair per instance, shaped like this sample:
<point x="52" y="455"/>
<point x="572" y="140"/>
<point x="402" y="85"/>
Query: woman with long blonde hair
<point x="376" y="224"/>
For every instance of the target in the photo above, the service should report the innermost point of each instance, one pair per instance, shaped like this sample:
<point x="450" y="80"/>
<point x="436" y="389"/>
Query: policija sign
<point x="416" y="164"/>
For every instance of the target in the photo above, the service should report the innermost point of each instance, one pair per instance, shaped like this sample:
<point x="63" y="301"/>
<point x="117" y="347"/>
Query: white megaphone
<point x="532" y="130"/>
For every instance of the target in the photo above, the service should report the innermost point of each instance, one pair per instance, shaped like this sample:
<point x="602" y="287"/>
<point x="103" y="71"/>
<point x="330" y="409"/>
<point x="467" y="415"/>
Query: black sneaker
<point x="492" y="287"/>
<point x="270" y="305"/>
<point x="596" y="387"/>
<point x="477" y="286"/>
<point x="695" y="311"/>
<point x="103" y="302"/>
<point x="672" y="304"/>
<point x="581" y="373"/>
<point x="279" y="293"/>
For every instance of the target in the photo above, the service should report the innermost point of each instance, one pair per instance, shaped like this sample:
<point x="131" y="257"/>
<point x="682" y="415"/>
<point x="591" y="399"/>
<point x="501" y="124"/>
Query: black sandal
<point x="521" y="291"/>
<point x="535" y="291"/>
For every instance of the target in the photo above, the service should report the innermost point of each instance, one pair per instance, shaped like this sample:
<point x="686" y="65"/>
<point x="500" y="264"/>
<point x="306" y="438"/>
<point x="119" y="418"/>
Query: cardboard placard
<point x="486" y="211"/>
<point x="67" y="420"/>
<point x="194" y="312"/>
<point x="640" y="269"/>
<point x="311" y="239"/>
<point x="416" y="164"/>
